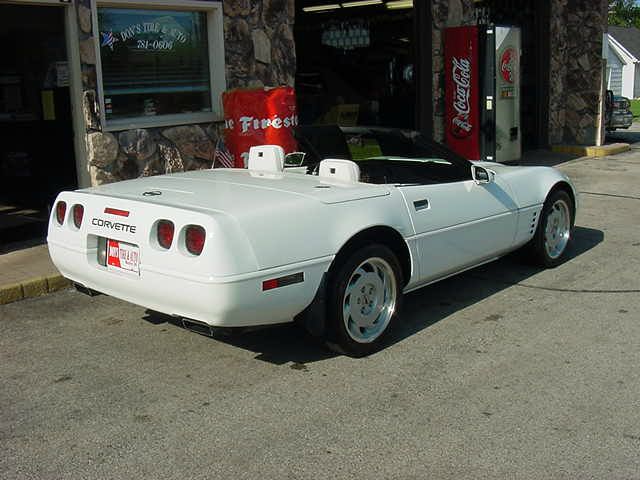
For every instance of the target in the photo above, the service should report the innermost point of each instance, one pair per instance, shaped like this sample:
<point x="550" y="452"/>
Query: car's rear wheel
<point x="554" y="230"/>
<point x="364" y="298"/>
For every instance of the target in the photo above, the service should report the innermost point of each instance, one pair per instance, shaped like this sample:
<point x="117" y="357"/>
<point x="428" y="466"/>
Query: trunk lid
<point x="230" y="190"/>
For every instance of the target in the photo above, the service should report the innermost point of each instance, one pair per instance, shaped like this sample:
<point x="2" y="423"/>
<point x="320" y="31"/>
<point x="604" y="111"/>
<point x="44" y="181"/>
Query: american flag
<point x="222" y="158"/>
<point x="108" y="39"/>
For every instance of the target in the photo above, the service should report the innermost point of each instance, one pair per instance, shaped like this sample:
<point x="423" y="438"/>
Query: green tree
<point x="624" y="13"/>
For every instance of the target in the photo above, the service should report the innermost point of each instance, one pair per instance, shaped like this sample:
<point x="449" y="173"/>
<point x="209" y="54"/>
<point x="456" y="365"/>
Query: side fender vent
<point x="534" y="221"/>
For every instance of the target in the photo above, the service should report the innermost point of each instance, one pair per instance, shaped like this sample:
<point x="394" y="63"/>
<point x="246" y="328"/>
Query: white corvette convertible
<point x="333" y="243"/>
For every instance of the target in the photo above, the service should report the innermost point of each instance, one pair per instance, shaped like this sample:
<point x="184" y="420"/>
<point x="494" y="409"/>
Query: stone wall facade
<point x="259" y="52"/>
<point x="259" y="45"/>
<point x="575" y="65"/>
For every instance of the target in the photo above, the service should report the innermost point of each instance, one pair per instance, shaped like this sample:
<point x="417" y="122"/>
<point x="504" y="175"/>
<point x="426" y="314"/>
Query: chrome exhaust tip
<point x="86" y="290"/>
<point x="197" y="327"/>
<point x="210" y="330"/>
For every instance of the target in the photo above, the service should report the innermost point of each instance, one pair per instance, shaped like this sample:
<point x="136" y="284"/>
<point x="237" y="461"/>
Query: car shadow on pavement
<point x="276" y="344"/>
<point x="438" y="301"/>
<point x="626" y="136"/>
<point x="283" y="344"/>
<point x="542" y="158"/>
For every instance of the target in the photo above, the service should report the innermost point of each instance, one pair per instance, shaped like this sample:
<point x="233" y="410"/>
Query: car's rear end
<point x="160" y="249"/>
<point x="621" y="115"/>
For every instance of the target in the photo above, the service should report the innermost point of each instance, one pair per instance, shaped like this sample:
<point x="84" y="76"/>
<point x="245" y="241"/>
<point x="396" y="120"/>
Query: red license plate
<point x="123" y="256"/>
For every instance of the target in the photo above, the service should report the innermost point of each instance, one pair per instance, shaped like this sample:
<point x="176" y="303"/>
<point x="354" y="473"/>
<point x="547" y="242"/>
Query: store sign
<point x="146" y="36"/>
<point x="262" y="116"/>
<point x="346" y="35"/>
<point x="461" y="125"/>
<point x="143" y="29"/>
<point x="461" y="91"/>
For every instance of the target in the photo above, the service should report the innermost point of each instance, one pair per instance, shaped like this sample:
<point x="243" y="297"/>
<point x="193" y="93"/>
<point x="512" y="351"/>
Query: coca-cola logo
<point x="507" y="65"/>
<point x="461" y="73"/>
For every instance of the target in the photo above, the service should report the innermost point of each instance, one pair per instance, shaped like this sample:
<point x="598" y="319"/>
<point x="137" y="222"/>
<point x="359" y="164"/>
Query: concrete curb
<point x="34" y="287"/>
<point x="592" y="151"/>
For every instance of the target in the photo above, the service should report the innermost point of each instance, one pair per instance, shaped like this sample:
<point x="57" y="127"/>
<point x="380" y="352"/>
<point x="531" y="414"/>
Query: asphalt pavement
<point x="506" y="371"/>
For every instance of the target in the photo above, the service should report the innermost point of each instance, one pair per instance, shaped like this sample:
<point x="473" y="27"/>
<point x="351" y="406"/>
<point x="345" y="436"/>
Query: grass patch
<point x="635" y="108"/>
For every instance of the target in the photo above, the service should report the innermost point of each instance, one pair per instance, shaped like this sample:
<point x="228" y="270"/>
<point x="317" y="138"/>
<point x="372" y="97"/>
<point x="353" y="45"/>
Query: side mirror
<point x="481" y="175"/>
<point x="294" y="159"/>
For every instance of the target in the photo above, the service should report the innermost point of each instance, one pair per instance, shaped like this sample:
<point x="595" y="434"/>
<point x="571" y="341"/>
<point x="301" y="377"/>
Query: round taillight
<point x="194" y="239"/>
<point x="61" y="210"/>
<point x="165" y="233"/>
<point x="78" y="213"/>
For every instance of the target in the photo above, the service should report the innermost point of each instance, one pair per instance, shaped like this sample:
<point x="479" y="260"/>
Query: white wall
<point x="622" y="73"/>
<point x="628" y="79"/>
<point x="614" y="79"/>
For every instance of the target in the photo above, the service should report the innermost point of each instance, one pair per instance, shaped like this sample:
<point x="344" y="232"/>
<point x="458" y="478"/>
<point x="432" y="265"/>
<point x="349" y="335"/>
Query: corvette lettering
<point x="113" y="225"/>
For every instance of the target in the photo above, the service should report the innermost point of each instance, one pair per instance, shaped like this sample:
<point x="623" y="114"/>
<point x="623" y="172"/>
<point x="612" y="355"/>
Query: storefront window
<point x="154" y="62"/>
<point x="355" y="65"/>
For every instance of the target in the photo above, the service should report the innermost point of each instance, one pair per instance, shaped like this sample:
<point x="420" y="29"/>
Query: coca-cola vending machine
<point x="482" y="92"/>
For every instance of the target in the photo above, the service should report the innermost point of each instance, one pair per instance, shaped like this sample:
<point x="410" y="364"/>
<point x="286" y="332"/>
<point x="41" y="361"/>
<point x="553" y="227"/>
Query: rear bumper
<point x="620" y="120"/>
<point x="230" y="301"/>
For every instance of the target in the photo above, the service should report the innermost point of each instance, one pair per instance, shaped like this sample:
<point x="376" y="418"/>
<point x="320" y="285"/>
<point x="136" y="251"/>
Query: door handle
<point x="421" y="204"/>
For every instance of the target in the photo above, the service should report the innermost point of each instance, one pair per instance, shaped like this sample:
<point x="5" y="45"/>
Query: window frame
<point x="217" y="64"/>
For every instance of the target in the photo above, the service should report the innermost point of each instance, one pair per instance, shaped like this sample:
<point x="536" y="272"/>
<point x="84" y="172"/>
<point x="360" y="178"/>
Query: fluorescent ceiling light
<point x="321" y="8"/>
<point x="361" y="3"/>
<point x="397" y="4"/>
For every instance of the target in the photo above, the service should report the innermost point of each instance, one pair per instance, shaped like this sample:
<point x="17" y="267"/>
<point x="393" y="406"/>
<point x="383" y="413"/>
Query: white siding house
<point x="614" y="73"/>
<point x="623" y="69"/>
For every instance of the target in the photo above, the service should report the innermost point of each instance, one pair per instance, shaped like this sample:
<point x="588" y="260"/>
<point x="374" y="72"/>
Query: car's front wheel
<point x="554" y="231"/>
<point x="364" y="299"/>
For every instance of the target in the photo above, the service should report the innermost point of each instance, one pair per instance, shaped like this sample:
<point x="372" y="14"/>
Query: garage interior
<point x="36" y="146"/>
<point x="376" y="81"/>
<point x="356" y="63"/>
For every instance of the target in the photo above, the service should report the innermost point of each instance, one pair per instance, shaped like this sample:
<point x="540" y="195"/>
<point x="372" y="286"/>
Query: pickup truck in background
<point x="617" y="112"/>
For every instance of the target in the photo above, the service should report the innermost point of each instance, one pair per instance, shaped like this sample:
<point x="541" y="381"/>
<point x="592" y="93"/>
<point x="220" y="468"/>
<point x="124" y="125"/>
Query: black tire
<point x="375" y="301"/>
<point x="549" y="250"/>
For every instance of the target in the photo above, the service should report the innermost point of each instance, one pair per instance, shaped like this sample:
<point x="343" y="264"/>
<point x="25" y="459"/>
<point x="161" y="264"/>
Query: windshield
<point x="362" y="143"/>
<point x="384" y="155"/>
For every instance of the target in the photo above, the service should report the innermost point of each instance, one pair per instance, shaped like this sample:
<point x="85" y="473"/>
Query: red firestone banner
<point x="462" y="119"/>
<point x="259" y="117"/>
